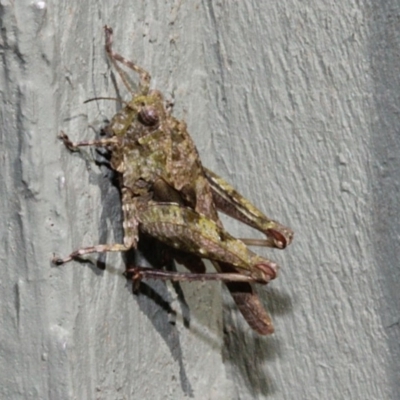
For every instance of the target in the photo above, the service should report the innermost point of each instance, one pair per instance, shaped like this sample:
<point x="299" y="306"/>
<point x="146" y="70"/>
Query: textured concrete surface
<point x="296" y="104"/>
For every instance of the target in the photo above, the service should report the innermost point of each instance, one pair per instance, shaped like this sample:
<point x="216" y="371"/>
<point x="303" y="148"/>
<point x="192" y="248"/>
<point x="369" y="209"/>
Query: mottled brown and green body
<point x="169" y="195"/>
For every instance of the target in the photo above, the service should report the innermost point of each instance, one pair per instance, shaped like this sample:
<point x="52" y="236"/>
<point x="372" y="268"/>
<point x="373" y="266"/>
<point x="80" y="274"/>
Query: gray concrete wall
<point x="296" y="103"/>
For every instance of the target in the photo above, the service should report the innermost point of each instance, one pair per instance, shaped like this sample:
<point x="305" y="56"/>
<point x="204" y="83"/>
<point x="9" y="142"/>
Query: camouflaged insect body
<point x="169" y="195"/>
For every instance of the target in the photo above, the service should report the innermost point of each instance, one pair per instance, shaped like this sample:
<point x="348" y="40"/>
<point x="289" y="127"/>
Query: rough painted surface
<point x="293" y="102"/>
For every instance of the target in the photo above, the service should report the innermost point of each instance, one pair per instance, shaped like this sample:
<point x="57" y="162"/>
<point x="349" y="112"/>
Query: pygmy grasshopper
<point x="168" y="194"/>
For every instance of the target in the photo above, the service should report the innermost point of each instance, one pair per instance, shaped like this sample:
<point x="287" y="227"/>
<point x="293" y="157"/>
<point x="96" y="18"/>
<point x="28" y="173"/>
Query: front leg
<point x="232" y="203"/>
<point x="73" y="146"/>
<point x="144" y="83"/>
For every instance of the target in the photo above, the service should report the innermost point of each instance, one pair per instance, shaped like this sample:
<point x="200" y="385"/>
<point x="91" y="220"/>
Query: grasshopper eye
<point x="148" y="116"/>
